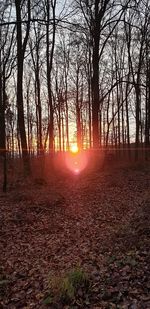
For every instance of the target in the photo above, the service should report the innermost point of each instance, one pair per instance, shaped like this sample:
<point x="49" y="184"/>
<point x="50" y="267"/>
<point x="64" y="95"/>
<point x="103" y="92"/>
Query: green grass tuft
<point x="64" y="288"/>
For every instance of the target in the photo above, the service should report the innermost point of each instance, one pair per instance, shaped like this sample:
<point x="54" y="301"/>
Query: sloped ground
<point x="99" y="220"/>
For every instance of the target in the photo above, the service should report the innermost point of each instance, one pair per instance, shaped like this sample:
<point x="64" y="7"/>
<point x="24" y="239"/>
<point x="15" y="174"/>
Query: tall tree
<point x="49" y="61"/>
<point x="99" y="14"/>
<point x="6" y="65"/>
<point x="21" y="49"/>
<point x="35" y="53"/>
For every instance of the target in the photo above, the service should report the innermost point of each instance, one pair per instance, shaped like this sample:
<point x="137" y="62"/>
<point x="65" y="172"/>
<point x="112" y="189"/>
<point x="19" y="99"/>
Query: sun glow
<point x="74" y="148"/>
<point x="76" y="161"/>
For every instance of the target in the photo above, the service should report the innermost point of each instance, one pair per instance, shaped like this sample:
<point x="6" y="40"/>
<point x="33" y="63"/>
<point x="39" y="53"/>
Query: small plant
<point x="67" y="290"/>
<point x="64" y="289"/>
<point x="78" y="277"/>
<point x="3" y="283"/>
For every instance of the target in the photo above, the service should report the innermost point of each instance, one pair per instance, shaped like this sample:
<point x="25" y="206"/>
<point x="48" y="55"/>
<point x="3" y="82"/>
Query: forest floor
<point x="99" y="220"/>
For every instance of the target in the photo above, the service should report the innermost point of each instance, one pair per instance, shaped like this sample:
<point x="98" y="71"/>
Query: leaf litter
<point x="99" y="220"/>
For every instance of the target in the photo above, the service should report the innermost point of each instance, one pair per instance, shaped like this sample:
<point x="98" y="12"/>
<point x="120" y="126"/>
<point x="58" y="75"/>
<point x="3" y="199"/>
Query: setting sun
<point x="74" y="148"/>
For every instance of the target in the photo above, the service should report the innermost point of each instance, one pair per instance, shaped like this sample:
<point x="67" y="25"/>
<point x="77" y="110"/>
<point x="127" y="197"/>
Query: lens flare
<point x="76" y="162"/>
<point x="74" y="148"/>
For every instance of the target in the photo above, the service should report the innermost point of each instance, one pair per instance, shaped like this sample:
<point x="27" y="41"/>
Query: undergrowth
<point x="65" y="288"/>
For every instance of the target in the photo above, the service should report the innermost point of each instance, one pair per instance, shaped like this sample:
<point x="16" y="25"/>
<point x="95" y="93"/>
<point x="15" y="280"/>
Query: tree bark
<point x="20" y="60"/>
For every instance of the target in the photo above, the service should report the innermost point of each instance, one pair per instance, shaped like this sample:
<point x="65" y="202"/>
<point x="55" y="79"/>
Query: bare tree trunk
<point x="147" y="107"/>
<point x="127" y="116"/>
<point x="67" y="112"/>
<point x="59" y="125"/>
<point x="2" y="125"/>
<point x="96" y="31"/>
<point x="66" y="97"/>
<point x="95" y="86"/>
<point x="20" y="59"/>
<point x="39" y="108"/>
<point x="78" y="112"/>
<point x="89" y="110"/>
<point x="28" y="113"/>
<point x="63" y="133"/>
<point x="49" y="58"/>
